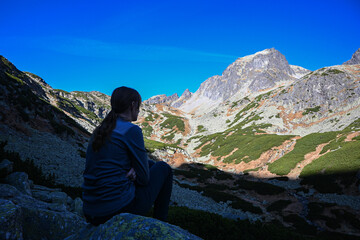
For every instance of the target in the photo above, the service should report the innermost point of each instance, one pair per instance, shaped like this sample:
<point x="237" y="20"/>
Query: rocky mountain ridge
<point x="86" y="108"/>
<point x="303" y="124"/>
<point x="355" y="59"/>
<point x="257" y="90"/>
<point x="31" y="211"/>
<point x="325" y="100"/>
<point x="173" y="100"/>
<point x="247" y="75"/>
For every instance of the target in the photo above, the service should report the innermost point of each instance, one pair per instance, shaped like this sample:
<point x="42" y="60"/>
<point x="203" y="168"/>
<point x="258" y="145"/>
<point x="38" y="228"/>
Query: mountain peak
<point x="186" y="93"/>
<point x="355" y="59"/>
<point x="267" y="51"/>
<point x="250" y="74"/>
<point x="161" y="99"/>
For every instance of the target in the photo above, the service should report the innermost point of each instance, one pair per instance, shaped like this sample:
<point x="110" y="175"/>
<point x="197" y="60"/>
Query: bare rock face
<point x="330" y="88"/>
<point x="299" y="71"/>
<point x="256" y="72"/>
<point x="86" y="108"/>
<point x="162" y="99"/>
<point x="250" y="74"/>
<point x="29" y="211"/>
<point x="130" y="226"/>
<point x="183" y="98"/>
<point x="355" y="59"/>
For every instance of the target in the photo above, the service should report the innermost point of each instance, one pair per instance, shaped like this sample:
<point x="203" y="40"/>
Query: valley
<point x="264" y="141"/>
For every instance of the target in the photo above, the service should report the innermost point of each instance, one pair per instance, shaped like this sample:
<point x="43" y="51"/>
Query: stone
<point x="355" y="59"/>
<point x="20" y="180"/>
<point x="162" y="99"/>
<point x="130" y="226"/>
<point x="78" y="206"/>
<point x="7" y="191"/>
<point x="38" y="219"/>
<point x="40" y="223"/>
<point x="6" y="167"/>
<point x="41" y="195"/>
<point x="59" y="197"/>
<point x="10" y="220"/>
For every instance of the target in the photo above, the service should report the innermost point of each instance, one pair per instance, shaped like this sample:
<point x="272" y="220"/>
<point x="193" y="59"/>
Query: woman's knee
<point x="164" y="166"/>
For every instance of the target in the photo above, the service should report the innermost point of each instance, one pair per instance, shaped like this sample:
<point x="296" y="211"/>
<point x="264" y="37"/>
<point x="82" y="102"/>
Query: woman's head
<point x="125" y="103"/>
<point x="124" y="98"/>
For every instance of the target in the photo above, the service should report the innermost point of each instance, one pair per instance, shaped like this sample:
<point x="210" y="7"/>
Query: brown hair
<point x="121" y="99"/>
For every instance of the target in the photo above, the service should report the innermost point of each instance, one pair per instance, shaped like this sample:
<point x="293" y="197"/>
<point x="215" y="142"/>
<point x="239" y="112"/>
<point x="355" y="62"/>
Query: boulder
<point x="59" y="197"/>
<point x="38" y="219"/>
<point x="130" y="226"/>
<point x="6" y="167"/>
<point x="10" y="220"/>
<point x="20" y="180"/>
<point x="78" y="206"/>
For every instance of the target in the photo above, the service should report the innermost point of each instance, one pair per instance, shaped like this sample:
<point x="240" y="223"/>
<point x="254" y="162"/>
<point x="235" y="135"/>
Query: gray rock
<point x="10" y="220"/>
<point x="57" y="207"/>
<point x="69" y="201"/>
<point x="59" y="197"/>
<point x="259" y="71"/>
<point x="162" y="99"/>
<point x="129" y="226"/>
<point x="40" y="220"/>
<point x="183" y="98"/>
<point x="49" y="154"/>
<point x="20" y="180"/>
<point x="41" y="195"/>
<point x="39" y="223"/>
<point x="78" y="206"/>
<point x="355" y="59"/>
<point x="326" y="87"/>
<point x="50" y="195"/>
<point x="7" y="191"/>
<point x="47" y="189"/>
<point x="31" y="183"/>
<point x="6" y="167"/>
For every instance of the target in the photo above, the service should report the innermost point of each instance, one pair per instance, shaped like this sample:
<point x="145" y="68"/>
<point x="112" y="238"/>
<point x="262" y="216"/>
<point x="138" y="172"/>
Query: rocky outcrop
<point x="299" y="71"/>
<point x="355" y="59"/>
<point x="249" y="74"/>
<point x="162" y="99"/>
<point x="85" y="108"/>
<point x="62" y="158"/>
<point x="25" y="105"/>
<point x="29" y="211"/>
<point x="129" y="226"/>
<point x="183" y="98"/>
<point x="330" y="88"/>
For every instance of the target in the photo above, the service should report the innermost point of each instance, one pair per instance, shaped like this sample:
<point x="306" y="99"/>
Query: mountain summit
<point x="355" y="59"/>
<point x="250" y="74"/>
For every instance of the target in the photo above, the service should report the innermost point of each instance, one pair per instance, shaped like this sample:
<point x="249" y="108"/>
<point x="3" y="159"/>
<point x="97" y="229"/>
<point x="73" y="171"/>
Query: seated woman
<point x="118" y="176"/>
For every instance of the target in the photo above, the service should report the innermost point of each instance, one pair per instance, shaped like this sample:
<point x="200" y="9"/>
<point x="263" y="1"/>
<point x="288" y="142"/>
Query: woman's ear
<point x="133" y="104"/>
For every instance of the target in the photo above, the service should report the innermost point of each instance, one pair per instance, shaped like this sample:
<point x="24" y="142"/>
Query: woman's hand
<point x="131" y="174"/>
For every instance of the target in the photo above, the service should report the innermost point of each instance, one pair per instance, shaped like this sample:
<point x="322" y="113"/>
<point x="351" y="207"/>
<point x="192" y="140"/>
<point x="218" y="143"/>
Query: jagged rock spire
<point x="355" y="59"/>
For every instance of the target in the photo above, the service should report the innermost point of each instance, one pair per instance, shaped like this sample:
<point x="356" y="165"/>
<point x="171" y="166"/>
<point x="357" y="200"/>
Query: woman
<point x="118" y="176"/>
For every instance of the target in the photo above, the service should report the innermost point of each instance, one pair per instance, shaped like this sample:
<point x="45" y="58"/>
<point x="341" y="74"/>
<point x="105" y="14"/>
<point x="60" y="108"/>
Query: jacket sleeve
<point x="139" y="155"/>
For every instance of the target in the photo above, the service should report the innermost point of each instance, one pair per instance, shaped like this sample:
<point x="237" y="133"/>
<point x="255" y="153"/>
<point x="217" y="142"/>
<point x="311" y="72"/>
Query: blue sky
<point x="164" y="47"/>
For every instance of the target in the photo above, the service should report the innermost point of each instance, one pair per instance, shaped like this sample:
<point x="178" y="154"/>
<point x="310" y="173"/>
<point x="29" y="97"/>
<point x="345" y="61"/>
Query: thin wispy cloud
<point x="95" y="48"/>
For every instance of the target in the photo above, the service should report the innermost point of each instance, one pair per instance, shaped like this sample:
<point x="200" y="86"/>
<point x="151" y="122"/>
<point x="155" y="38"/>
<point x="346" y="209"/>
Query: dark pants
<point x="157" y="192"/>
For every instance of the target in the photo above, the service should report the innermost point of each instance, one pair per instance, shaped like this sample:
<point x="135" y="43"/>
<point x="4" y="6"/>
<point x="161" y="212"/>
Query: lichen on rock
<point x="130" y="226"/>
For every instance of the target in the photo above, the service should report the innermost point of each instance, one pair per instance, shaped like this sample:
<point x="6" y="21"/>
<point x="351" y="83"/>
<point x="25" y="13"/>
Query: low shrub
<point x="259" y="187"/>
<point x="278" y="205"/>
<point x="303" y="146"/>
<point x="212" y="226"/>
<point x="300" y="224"/>
<point x="35" y="173"/>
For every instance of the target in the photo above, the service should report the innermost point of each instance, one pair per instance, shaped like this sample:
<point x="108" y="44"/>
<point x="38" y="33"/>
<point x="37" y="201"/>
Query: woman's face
<point x="135" y="109"/>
